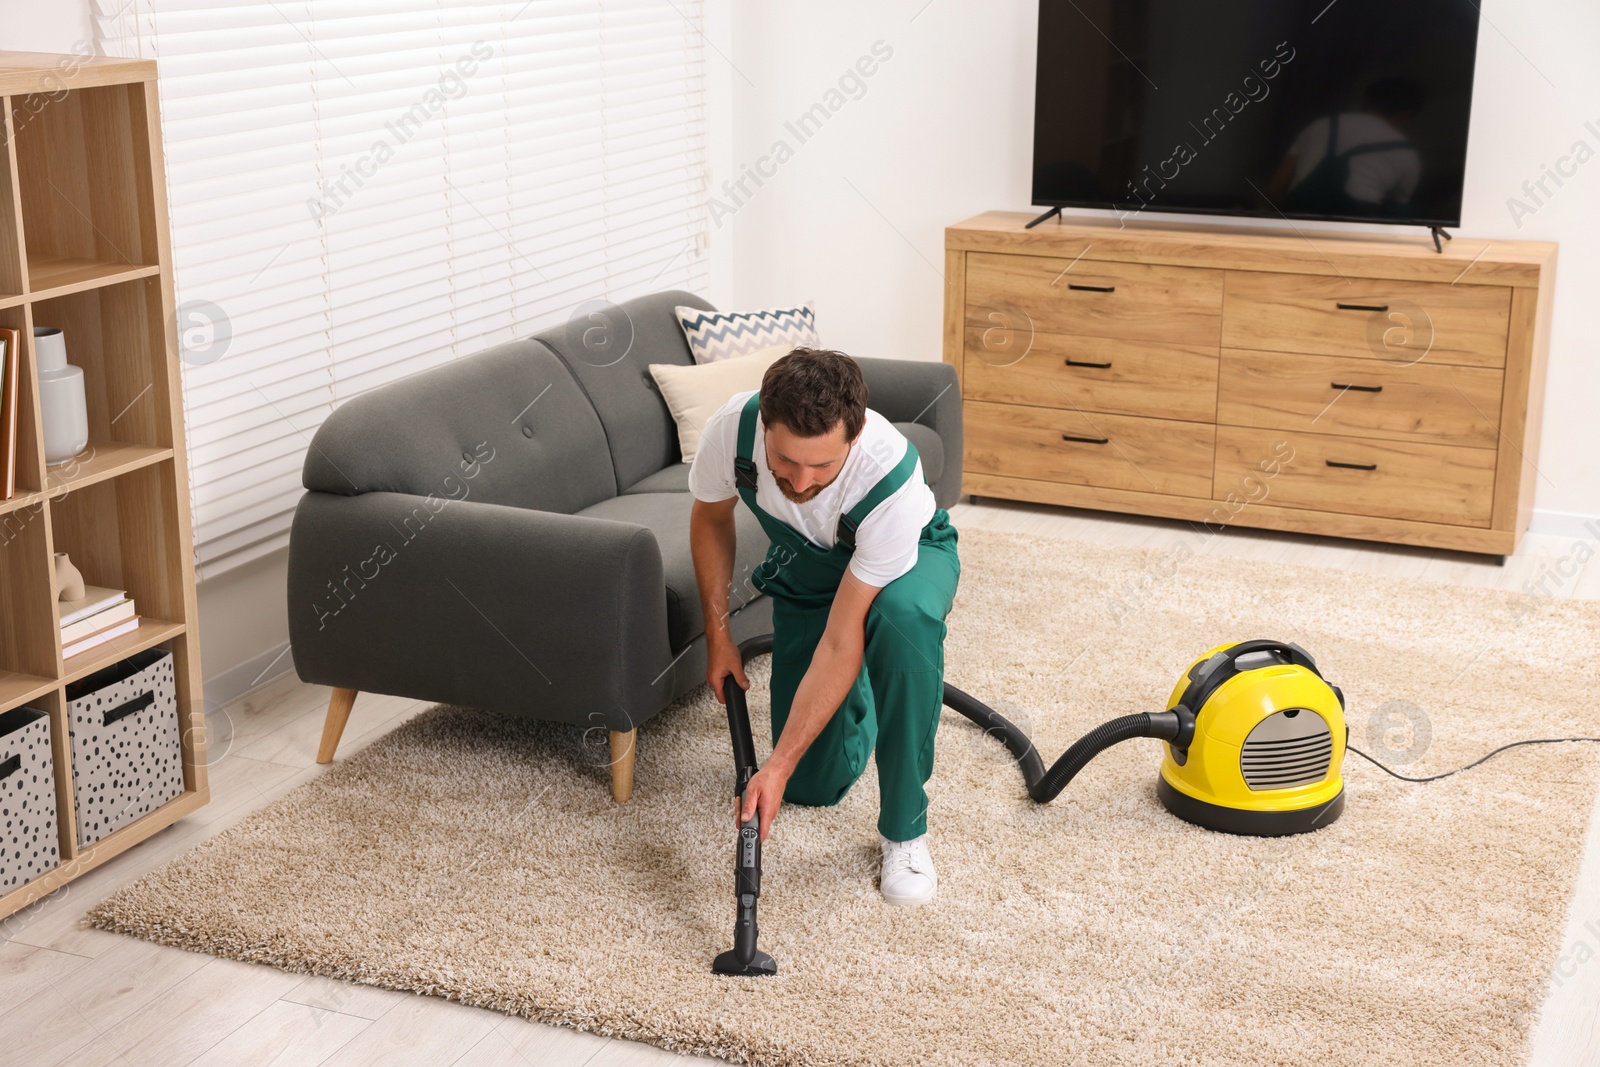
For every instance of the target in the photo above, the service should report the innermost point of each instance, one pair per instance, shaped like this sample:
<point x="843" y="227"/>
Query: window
<point x="359" y="191"/>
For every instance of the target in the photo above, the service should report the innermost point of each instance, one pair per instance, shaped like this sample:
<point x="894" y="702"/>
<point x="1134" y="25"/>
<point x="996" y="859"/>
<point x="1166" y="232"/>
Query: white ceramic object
<point x="63" y="407"/>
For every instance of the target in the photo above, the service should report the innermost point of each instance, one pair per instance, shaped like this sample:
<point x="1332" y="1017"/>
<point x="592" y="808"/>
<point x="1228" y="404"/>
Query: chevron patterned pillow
<point x="718" y="335"/>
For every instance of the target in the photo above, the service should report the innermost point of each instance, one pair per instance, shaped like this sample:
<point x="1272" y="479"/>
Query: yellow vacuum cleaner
<point x="1255" y="740"/>
<point x="1267" y="744"/>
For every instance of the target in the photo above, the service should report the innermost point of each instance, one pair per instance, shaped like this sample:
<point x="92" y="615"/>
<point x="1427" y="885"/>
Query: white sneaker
<point x="908" y="876"/>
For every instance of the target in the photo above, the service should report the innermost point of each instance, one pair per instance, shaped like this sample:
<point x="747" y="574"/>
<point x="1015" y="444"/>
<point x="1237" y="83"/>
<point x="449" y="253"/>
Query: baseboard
<point x="255" y="672"/>
<point x="1573" y="524"/>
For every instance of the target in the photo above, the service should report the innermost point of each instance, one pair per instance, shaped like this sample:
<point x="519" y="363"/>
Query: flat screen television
<point x="1352" y="110"/>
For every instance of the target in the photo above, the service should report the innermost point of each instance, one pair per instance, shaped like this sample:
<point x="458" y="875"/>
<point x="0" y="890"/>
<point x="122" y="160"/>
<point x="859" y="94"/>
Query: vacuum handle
<point x="747" y="859"/>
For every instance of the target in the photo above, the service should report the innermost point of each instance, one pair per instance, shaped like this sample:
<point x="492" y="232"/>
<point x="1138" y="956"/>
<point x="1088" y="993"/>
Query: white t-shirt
<point x="1375" y="177"/>
<point x="886" y="540"/>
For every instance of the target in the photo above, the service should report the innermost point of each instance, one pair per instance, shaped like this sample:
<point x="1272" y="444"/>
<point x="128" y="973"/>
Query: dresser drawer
<point x="1411" y="480"/>
<point x="1110" y="451"/>
<point x="1402" y="322"/>
<point x="1149" y="378"/>
<point x="1133" y="301"/>
<point x="1361" y="397"/>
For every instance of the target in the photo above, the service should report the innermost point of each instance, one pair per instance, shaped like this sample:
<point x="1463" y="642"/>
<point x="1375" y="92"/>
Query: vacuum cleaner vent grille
<point x="1293" y="747"/>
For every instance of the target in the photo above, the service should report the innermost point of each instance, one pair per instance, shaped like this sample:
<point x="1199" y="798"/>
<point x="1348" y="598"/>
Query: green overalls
<point x="892" y="709"/>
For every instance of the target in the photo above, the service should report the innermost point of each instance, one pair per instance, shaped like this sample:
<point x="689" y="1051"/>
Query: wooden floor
<point x="87" y="998"/>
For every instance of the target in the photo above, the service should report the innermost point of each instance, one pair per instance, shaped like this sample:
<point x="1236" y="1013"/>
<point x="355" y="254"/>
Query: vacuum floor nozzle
<point x="759" y="965"/>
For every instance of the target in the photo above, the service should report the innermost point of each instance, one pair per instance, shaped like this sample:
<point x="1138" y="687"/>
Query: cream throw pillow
<point x="694" y="393"/>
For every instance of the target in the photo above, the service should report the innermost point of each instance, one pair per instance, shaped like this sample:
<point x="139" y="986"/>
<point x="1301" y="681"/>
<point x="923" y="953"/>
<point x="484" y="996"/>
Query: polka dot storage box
<point x="29" y="834"/>
<point x="127" y="752"/>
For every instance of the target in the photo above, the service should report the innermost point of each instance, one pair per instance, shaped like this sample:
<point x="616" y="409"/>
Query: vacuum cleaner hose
<point x="1176" y="726"/>
<point x="1087" y="748"/>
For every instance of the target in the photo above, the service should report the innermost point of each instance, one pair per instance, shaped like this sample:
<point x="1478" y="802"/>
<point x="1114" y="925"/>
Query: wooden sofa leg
<point x="339" y="705"/>
<point x="622" y="748"/>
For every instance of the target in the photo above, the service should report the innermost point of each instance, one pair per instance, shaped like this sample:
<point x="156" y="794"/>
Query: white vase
<point x="63" y="407"/>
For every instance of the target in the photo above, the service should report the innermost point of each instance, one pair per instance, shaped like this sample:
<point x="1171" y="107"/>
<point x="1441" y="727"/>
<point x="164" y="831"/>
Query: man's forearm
<point x="711" y="544"/>
<point x="833" y="670"/>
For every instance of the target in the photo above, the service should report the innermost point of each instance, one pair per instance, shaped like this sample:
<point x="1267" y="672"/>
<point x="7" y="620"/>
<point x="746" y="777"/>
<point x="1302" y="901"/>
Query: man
<point x="858" y="629"/>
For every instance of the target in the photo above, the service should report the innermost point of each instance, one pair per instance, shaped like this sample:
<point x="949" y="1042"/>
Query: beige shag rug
<point x="478" y="858"/>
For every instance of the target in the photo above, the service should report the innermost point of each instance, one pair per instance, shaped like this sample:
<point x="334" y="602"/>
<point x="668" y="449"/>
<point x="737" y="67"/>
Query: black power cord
<point x="1474" y="763"/>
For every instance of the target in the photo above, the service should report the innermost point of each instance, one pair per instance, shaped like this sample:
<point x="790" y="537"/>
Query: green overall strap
<point x="744" y="467"/>
<point x="851" y="520"/>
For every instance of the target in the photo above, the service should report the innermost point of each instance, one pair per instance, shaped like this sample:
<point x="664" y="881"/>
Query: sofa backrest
<point x="609" y="352"/>
<point x="508" y="425"/>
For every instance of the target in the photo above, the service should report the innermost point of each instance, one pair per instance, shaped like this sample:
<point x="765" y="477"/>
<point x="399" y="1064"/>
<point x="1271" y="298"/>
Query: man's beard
<point x="788" y="492"/>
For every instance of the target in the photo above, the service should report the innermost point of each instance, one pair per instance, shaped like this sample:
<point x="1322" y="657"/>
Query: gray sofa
<point x="510" y="531"/>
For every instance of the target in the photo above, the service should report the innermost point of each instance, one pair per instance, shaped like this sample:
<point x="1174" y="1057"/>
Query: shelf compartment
<point x="175" y="638"/>
<point x="30" y="440"/>
<point x="122" y="533"/>
<point x="84" y="174"/>
<point x="33" y="843"/>
<point x="150" y="632"/>
<point x="54" y="276"/>
<point x="101" y="459"/>
<point x="116" y="334"/>
<point x="28" y="626"/>
<point x="10" y="213"/>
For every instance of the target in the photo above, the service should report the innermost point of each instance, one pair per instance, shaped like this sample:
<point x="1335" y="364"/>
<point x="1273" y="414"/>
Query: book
<point x="125" y="627"/>
<point x="95" y="598"/>
<point x="10" y="373"/>
<point x="123" y="609"/>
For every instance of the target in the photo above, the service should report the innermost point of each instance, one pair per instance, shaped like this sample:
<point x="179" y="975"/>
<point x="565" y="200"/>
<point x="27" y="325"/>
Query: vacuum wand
<point x="744" y="958"/>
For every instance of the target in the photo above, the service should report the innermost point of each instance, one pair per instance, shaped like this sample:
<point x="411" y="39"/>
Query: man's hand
<point x="722" y="661"/>
<point x="764" y="795"/>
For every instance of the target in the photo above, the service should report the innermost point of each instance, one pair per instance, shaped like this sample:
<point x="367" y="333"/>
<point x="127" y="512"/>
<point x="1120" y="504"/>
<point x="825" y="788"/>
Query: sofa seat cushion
<point x="673" y="479"/>
<point x="667" y="516"/>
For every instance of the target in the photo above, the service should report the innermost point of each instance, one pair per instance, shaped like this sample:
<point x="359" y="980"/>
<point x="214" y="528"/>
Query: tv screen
<point x="1352" y="109"/>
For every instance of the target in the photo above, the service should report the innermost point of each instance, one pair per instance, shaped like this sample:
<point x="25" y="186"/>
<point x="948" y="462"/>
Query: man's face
<point x="805" y="466"/>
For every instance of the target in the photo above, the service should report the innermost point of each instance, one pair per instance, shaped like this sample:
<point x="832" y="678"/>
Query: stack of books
<point x="95" y="618"/>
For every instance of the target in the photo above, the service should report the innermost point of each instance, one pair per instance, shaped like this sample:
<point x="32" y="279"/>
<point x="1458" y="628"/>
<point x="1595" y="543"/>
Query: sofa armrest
<point x="563" y="617"/>
<point x="921" y="391"/>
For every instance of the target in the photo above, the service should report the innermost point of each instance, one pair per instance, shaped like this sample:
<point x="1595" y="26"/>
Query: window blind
<point x="360" y="190"/>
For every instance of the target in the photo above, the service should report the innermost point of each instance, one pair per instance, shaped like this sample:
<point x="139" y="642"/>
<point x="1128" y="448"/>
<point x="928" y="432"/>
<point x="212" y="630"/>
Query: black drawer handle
<point x="1358" y="388"/>
<point x="1085" y="363"/>
<point x="129" y="707"/>
<point x="1085" y="440"/>
<point x="10" y="766"/>
<point x="1362" y="307"/>
<point x="1092" y="288"/>
<point x="1352" y="466"/>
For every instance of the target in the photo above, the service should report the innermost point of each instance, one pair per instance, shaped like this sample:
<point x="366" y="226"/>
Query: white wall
<point x="53" y="26"/>
<point x="855" y="220"/>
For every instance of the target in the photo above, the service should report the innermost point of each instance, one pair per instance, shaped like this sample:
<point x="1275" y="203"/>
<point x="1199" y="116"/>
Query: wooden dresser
<point x="1355" y="386"/>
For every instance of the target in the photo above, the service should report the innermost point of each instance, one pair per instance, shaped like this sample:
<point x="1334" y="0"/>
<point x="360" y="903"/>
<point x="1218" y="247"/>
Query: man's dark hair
<point x="811" y="389"/>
